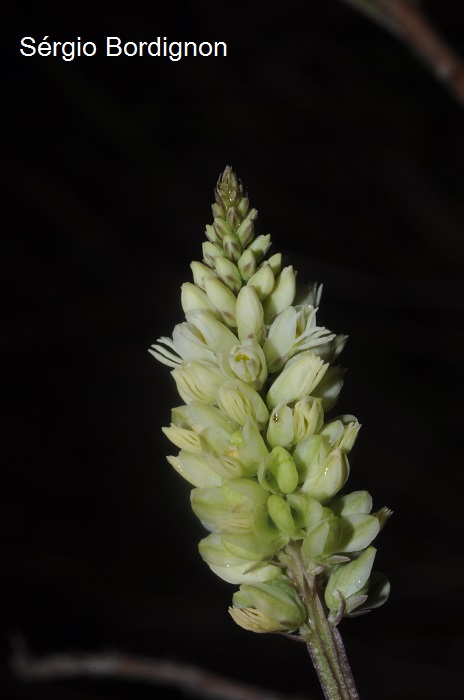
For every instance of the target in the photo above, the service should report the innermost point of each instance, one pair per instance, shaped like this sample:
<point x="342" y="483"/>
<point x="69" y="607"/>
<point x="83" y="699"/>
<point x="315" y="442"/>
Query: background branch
<point x="114" y="665"/>
<point x="406" y="20"/>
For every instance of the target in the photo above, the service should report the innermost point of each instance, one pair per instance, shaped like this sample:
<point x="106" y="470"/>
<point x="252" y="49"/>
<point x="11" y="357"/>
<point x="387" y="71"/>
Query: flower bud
<point x="228" y="273"/>
<point x="271" y="606"/>
<point x="211" y="234"/>
<point x="355" y="502"/>
<point x="298" y="379"/>
<point x="281" y="296"/>
<point x="278" y="472"/>
<point x="231" y="568"/>
<point x="326" y="479"/>
<point x="194" y="469"/>
<point x="263" y="281"/>
<point x="247" y="361"/>
<point x="248" y="547"/>
<point x="249" y="315"/>
<point x="194" y="298"/>
<point x="349" y="579"/>
<point x="243" y="206"/>
<point x="245" y="232"/>
<point x="233" y="218"/>
<point x="357" y="531"/>
<point x="275" y="262"/>
<point x="280" y="430"/>
<point x="222" y="299"/>
<point x="247" y="264"/>
<point x="210" y="253"/>
<point x="221" y="228"/>
<point x="306" y="510"/>
<point x="201" y="271"/>
<point x="232" y="248"/>
<point x="322" y="538"/>
<point x="260" y="246"/>
<point x="280" y="338"/>
<point x="281" y="514"/>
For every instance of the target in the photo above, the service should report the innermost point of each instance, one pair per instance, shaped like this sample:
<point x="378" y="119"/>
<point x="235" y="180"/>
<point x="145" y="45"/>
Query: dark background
<point x="352" y="153"/>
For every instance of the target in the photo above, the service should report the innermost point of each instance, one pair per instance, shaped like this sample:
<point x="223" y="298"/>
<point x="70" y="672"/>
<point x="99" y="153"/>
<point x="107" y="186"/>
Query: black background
<point x="353" y="155"/>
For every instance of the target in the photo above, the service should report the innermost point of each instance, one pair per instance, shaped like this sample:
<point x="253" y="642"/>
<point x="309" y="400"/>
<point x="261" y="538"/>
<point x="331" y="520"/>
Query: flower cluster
<point x="257" y="375"/>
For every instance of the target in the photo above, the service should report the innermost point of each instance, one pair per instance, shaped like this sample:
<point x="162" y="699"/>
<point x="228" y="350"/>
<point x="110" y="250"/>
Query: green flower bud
<point x="322" y="538"/>
<point x="198" y="381"/>
<point x="349" y="503"/>
<point x="245" y="231"/>
<point x="247" y="361"/>
<point x="249" y="315"/>
<point x="248" y="547"/>
<point x="210" y="253"/>
<point x="357" y="531"/>
<point x="349" y="579"/>
<point x="260" y="246"/>
<point x="194" y="469"/>
<point x="247" y="264"/>
<point x="310" y="454"/>
<point x="298" y="379"/>
<point x="281" y="514"/>
<point x="231" y="568"/>
<point x="228" y="273"/>
<point x="275" y="263"/>
<point x="262" y="281"/>
<point x="230" y="507"/>
<point x="326" y="479"/>
<point x="222" y="299"/>
<point x="278" y="472"/>
<point x="281" y="296"/>
<point x="271" y="606"/>
<point x="241" y="402"/>
<point x="211" y="234"/>
<point x="194" y="298"/>
<point x="201" y="271"/>
<point x="306" y="510"/>
<point x="243" y="206"/>
<point x="232" y="248"/>
<point x="280" y="430"/>
<point x="233" y="218"/>
<point x="221" y="228"/>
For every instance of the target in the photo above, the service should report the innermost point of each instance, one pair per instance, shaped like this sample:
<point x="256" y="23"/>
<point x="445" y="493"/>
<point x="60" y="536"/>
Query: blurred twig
<point x="194" y="680"/>
<point x="406" y="20"/>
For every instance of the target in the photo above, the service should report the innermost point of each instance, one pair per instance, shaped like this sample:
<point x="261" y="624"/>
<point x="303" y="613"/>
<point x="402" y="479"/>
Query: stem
<point x="322" y="638"/>
<point x="408" y="23"/>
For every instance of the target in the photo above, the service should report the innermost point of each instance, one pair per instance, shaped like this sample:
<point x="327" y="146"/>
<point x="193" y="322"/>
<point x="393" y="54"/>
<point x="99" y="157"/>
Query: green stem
<point x="322" y="637"/>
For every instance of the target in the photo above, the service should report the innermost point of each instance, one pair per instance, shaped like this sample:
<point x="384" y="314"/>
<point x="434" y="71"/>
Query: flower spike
<point x="256" y="372"/>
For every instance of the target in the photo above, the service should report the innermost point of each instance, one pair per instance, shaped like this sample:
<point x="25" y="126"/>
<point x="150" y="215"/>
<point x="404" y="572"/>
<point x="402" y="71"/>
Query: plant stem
<point x="408" y="23"/>
<point x="322" y="637"/>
